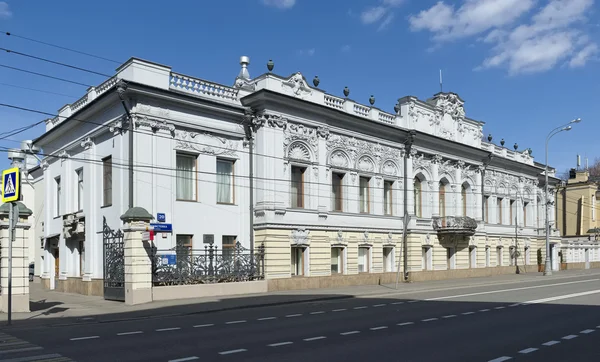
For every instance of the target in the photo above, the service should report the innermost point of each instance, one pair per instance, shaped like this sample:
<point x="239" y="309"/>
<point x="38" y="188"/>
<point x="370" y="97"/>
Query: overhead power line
<point x="59" y="47"/>
<point x="10" y="51"/>
<point x="45" y="75"/>
<point x="38" y="90"/>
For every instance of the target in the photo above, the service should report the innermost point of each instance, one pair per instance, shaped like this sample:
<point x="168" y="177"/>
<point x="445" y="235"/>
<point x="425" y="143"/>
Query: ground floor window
<point x="450" y="256"/>
<point x="228" y="247"/>
<point x="527" y="255"/>
<point x="363" y="259"/>
<point x="388" y="258"/>
<point x="337" y="260"/>
<point x="81" y="258"/>
<point x="487" y="256"/>
<point x="513" y="255"/>
<point x="499" y="256"/>
<point x="426" y="259"/>
<point x="472" y="257"/>
<point x="298" y="261"/>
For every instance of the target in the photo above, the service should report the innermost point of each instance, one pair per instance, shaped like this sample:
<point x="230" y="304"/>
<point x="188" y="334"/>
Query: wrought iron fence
<point x="211" y="265"/>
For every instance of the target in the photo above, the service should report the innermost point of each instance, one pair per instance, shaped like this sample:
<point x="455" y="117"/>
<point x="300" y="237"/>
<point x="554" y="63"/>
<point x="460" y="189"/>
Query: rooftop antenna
<point x="587" y="166"/>
<point x="441" y="82"/>
<point x="578" y="161"/>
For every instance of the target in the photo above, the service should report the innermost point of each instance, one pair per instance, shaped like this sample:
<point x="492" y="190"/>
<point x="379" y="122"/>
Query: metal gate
<point x="114" y="263"/>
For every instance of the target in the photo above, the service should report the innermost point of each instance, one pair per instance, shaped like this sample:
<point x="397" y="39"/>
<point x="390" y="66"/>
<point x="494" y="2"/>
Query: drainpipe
<point x="250" y="136"/>
<point x="407" y="149"/>
<point x="121" y="88"/>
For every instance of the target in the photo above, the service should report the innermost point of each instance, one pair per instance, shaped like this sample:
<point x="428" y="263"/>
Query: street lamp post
<point x="567" y="127"/>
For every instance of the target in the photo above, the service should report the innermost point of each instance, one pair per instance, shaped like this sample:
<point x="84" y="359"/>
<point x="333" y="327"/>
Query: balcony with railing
<point x="455" y="225"/>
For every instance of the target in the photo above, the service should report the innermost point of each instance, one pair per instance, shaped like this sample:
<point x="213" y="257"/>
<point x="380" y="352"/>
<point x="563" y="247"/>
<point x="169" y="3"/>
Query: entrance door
<point x="56" y="253"/>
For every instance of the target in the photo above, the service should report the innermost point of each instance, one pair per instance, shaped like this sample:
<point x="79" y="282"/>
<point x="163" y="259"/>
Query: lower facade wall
<point x="208" y="290"/>
<point x="331" y="281"/>
<point x="94" y="287"/>
<point x="422" y="276"/>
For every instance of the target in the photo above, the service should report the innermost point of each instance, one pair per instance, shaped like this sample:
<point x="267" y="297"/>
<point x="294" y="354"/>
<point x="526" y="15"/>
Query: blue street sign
<point x="11" y="185"/>
<point x="161" y="217"/>
<point x="168" y="259"/>
<point x="162" y="228"/>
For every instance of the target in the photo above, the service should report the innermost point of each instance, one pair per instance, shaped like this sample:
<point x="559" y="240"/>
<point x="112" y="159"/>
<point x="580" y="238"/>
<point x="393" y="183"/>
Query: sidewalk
<point x="52" y="308"/>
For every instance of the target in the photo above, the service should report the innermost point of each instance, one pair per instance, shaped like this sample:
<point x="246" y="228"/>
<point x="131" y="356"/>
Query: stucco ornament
<point x="300" y="237"/>
<point x="451" y="104"/>
<point x="296" y="134"/>
<point x="296" y="85"/>
<point x="363" y="155"/>
<point x="206" y="143"/>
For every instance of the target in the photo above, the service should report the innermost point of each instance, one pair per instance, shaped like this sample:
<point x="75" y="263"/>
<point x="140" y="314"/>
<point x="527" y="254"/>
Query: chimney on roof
<point x="244" y="62"/>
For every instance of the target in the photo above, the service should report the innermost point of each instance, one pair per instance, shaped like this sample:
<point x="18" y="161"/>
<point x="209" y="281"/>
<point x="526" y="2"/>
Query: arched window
<point x="418" y="196"/>
<point x="442" y="199"/>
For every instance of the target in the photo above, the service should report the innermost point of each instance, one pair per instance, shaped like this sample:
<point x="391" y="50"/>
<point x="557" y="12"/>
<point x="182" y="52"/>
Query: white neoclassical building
<point x="333" y="189"/>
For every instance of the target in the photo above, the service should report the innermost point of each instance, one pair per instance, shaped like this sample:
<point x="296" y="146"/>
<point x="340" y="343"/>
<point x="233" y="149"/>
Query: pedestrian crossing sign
<point x="11" y="185"/>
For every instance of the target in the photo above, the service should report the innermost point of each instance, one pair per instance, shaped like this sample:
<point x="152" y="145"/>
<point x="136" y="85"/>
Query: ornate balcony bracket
<point x="455" y="225"/>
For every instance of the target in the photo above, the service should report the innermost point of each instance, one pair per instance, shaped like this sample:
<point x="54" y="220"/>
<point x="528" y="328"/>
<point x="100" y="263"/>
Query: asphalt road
<point x="542" y="320"/>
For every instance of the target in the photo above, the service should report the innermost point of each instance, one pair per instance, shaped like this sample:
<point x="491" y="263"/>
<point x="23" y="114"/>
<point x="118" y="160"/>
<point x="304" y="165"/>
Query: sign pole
<point x="11" y="193"/>
<point x="10" y="239"/>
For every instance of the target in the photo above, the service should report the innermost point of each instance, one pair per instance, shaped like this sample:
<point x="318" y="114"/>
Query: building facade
<point x="577" y="218"/>
<point x="332" y="188"/>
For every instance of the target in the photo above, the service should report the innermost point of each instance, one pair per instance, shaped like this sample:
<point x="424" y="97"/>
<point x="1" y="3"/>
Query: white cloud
<point x="281" y="4"/>
<point x="382" y="13"/>
<point x="346" y="48"/>
<point x="5" y="12"/>
<point x="549" y="35"/>
<point x="309" y="52"/>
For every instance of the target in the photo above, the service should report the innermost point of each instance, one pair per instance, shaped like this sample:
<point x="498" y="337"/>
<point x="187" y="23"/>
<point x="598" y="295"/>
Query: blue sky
<point x="522" y="66"/>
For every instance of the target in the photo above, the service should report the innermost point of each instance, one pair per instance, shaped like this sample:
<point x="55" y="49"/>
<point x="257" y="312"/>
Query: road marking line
<point x="405" y="324"/>
<point x="236" y="322"/>
<point x="528" y="350"/>
<point x="510" y="290"/>
<point x="566" y="296"/>
<point x="203" y="325"/>
<point x="21" y="350"/>
<point x="587" y="331"/>
<point x="570" y="336"/>
<point x="314" y="339"/>
<point x="193" y="358"/>
<point x="349" y="333"/>
<point x="515" y="305"/>
<point x="378" y="305"/>
<point x="293" y="315"/>
<point x="168" y="329"/>
<point x="429" y="320"/>
<point x="500" y="359"/>
<point x="129" y="333"/>
<point x="87" y="318"/>
<point x="279" y="344"/>
<point x="378" y="328"/>
<point x="499" y="307"/>
<point x="233" y="351"/>
<point x="484" y="310"/>
<point x="550" y="343"/>
<point x="397" y="303"/>
<point x="319" y="312"/>
<point x="468" y="313"/>
<point x="449" y="316"/>
<point x="361" y="307"/>
<point x="44" y="357"/>
<point x="266" y="318"/>
<point x="413" y="301"/>
<point x="84" y="338"/>
<point x="339" y="310"/>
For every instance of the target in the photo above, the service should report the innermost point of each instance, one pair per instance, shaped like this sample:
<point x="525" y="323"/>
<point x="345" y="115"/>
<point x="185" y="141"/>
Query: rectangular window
<point x="499" y="202"/>
<point x="107" y="181"/>
<point x="388" y="259"/>
<point x="183" y="250"/>
<point x="418" y="198"/>
<point x="228" y="244"/>
<point x="363" y="259"/>
<point x="186" y="177"/>
<point x="298" y="254"/>
<point x="337" y="196"/>
<point x="225" y="184"/>
<point x="337" y="260"/>
<point x="58" y="192"/>
<point x="426" y="262"/>
<point x="472" y="257"/>
<point x="79" y="189"/>
<point x="525" y="207"/>
<point x="387" y="197"/>
<point x="450" y="258"/>
<point x="512" y="216"/>
<point x="487" y="256"/>
<point x="298" y="186"/>
<point x="499" y="256"/>
<point x="364" y="195"/>
<point x="486" y="209"/>
<point x="527" y="256"/>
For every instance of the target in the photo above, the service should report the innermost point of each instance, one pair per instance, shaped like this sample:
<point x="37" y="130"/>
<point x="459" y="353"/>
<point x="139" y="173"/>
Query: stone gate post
<point x="137" y="255"/>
